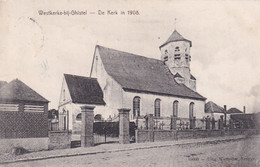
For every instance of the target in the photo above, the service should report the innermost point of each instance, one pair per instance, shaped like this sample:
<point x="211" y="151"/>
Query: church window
<point x="177" y="56"/>
<point x="191" y="112"/>
<point x="157" y="107"/>
<point x="165" y="58"/>
<point x="187" y="57"/>
<point x="79" y="117"/>
<point x="177" y="49"/>
<point x="136" y="106"/>
<point x="175" y="108"/>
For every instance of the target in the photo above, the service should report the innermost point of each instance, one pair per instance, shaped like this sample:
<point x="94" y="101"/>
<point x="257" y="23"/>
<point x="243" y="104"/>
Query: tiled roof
<point x="142" y="74"/>
<point x="175" y="36"/>
<point x="234" y="111"/>
<point x="84" y="90"/>
<point x="16" y="90"/>
<point x="211" y="107"/>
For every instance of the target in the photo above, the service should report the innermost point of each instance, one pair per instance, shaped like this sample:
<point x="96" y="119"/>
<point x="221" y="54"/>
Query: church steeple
<point x="175" y="36"/>
<point x="176" y="55"/>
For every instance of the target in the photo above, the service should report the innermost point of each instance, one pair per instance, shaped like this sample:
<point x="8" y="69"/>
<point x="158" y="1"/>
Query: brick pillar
<point x="150" y="127"/>
<point x="173" y="123"/>
<point x="124" y="137"/>
<point x="150" y="123"/>
<point x="87" y="136"/>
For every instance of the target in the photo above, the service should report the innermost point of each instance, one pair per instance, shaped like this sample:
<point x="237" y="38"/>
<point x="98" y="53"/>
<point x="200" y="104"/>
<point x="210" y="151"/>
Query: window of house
<point x="177" y="49"/>
<point x="175" y="108"/>
<point x="63" y="94"/>
<point x="166" y="51"/>
<point x="98" y="117"/>
<point x="157" y="108"/>
<point x="191" y="112"/>
<point x="136" y="106"/>
<point x="79" y="117"/>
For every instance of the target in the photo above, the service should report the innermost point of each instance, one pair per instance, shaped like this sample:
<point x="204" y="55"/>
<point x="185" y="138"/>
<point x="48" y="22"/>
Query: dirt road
<point x="244" y="153"/>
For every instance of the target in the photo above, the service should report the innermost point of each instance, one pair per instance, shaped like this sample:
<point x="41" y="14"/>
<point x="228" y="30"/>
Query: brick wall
<point x="59" y="139"/>
<point x="19" y="124"/>
<point x="169" y="135"/>
<point x="30" y="144"/>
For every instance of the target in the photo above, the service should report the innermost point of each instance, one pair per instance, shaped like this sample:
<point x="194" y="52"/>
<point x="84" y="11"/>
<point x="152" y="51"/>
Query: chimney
<point x="225" y="108"/>
<point x="244" y="109"/>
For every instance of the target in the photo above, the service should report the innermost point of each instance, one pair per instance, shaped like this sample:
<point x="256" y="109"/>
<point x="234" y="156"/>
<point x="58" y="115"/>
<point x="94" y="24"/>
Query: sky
<point x="39" y="49"/>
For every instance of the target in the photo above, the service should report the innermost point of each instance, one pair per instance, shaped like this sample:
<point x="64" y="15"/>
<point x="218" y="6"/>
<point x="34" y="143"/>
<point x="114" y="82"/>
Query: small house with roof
<point x="213" y="110"/>
<point x="76" y="92"/>
<point x="23" y="117"/>
<point x="145" y="85"/>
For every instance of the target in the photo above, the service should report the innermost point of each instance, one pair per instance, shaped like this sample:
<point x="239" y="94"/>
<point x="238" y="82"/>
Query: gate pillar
<point x="124" y="137"/>
<point x="87" y="121"/>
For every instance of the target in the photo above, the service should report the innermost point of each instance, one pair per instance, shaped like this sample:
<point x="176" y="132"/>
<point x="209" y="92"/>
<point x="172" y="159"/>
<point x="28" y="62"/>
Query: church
<point x="163" y="87"/>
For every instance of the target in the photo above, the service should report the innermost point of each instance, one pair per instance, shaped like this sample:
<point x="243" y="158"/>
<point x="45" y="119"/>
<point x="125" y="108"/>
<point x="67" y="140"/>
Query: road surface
<point x="244" y="153"/>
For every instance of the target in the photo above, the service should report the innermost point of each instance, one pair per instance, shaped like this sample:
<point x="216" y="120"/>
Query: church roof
<point x="175" y="36"/>
<point x="16" y="90"/>
<point x="84" y="90"/>
<point x="234" y="111"/>
<point x="211" y="107"/>
<point x="141" y="74"/>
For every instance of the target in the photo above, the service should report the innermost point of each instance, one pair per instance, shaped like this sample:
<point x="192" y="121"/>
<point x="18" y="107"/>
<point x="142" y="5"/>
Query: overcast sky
<point x="38" y="49"/>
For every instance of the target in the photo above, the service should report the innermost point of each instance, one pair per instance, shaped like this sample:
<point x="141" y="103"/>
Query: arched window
<point x="136" y="106"/>
<point x="157" y="107"/>
<point x="191" y="113"/>
<point x="177" y="49"/>
<point x="175" y="108"/>
<point x="78" y="117"/>
<point x="98" y="117"/>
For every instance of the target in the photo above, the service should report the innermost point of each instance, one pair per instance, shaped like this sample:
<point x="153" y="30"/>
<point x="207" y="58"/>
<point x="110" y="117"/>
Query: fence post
<point x="124" y="137"/>
<point x="87" y="136"/>
<point x="208" y="123"/>
<point x="221" y="122"/>
<point x="213" y="123"/>
<point x="173" y="122"/>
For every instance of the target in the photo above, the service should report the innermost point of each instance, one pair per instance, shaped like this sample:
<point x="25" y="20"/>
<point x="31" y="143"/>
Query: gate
<point x="108" y="132"/>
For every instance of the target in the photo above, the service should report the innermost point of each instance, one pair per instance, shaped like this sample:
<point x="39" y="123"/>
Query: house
<point x="77" y="91"/>
<point x="234" y="111"/>
<point x="213" y="110"/>
<point x="145" y="85"/>
<point x="23" y="117"/>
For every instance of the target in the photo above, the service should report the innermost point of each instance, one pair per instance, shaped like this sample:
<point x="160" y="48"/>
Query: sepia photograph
<point x="125" y="83"/>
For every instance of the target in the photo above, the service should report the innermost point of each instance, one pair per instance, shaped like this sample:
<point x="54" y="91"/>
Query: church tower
<point x="176" y="55"/>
